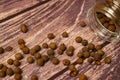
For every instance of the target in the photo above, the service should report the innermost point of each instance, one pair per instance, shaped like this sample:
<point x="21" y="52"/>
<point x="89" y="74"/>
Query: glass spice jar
<point x="112" y="12"/>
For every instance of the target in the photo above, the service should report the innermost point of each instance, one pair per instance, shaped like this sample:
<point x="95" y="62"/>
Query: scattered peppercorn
<point x="83" y="77"/>
<point x="37" y="48"/>
<point x="85" y="48"/>
<point x="1" y="50"/>
<point x="69" y="53"/>
<point x="1" y="65"/>
<point x="50" y="36"/>
<point x="97" y="62"/>
<point x="40" y="62"/>
<point x="97" y="57"/>
<point x="37" y="55"/>
<point x="24" y="28"/>
<point x="71" y="67"/>
<point x="21" y="41"/>
<point x="10" y="61"/>
<point x="34" y="77"/>
<point x="92" y="54"/>
<point x="30" y="59"/>
<point x="55" y="61"/>
<point x="8" y="48"/>
<point x="2" y="74"/>
<point x="4" y="68"/>
<point x="65" y="34"/>
<point x="16" y="63"/>
<point x="62" y="47"/>
<point x="25" y="50"/>
<point x="50" y="52"/>
<point x="80" y="54"/>
<point x="101" y="52"/>
<point x="91" y="46"/>
<point x="9" y="72"/>
<point x="66" y="62"/>
<point x="79" y="61"/>
<point x="82" y="24"/>
<point x="45" y="58"/>
<point x="98" y="47"/>
<point x="112" y="28"/>
<point x="71" y="48"/>
<point x="84" y="42"/>
<point x="21" y="46"/>
<point x="45" y="45"/>
<point x="60" y="52"/>
<point x="73" y="73"/>
<point x="18" y="56"/>
<point x="90" y="60"/>
<point x="53" y="45"/>
<point x="107" y="60"/>
<point x="18" y="77"/>
<point x="17" y="70"/>
<point x="86" y="54"/>
<point x="32" y="51"/>
<point x="78" y="39"/>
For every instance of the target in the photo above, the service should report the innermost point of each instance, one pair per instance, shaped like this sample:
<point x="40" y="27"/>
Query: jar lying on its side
<point x="104" y="20"/>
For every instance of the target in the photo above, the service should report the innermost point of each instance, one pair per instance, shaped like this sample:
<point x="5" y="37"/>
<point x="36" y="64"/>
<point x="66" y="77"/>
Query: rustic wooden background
<point x="44" y="16"/>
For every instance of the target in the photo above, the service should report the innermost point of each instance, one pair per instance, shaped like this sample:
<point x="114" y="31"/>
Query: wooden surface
<point x="54" y="16"/>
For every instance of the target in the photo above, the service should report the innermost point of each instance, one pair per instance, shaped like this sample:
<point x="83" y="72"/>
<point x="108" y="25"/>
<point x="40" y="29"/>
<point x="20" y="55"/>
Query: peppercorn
<point x="71" y="67"/>
<point x="50" y="36"/>
<point x="90" y="60"/>
<point x="62" y="47"/>
<point x="1" y="50"/>
<point x="60" y="52"/>
<point x="53" y="45"/>
<point x="112" y="28"/>
<point x="30" y="60"/>
<point x="69" y="53"/>
<point x="8" y="48"/>
<point x="34" y="77"/>
<point x="55" y="61"/>
<point x="91" y="46"/>
<point x="101" y="52"/>
<point x="25" y="50"/>
<point x="83" y="77"/>
<point x="21" y="46"/>
<point x="99" y="15"/>
<point x="50" y="52"/>
<point x="24" y="28"/>
<point x="32" y="51"/>
<point x="82" y="24"/>
<point x="111" y="22"/>
<point x="97" y="62"/>
<point x="85" y="48"/>
<point x="98" y="47"/>
<point x="73" y="73"/>
<point x="1" y="65"/>
<point x="92" y="54"/>
<point x="106" y="25"/>
<point x="78" y="39"/>
<point x="66" y="62"/>
<point x="79" y="61"/>
<point x="71" y="48"/>
<point x="17" y="70"/>
<point x="37" y="48"/>
<point x="9" y="72"/>
<point x="10" y="61"/>
<point x="18" y="56"/>
<point x="45" y="58"/>
<point x="2" y="74"/>
<point x="37" y="55"/>
<point x="21" y="41"/>
<point x="4" y="68"/>
<point x="86" y="54"/>
<point x="16" y="63"/>
<point x="45" y="45"/>
<point x="107" y="60"/>
<point x="102" y="20"/>
<point x="40" y="62"/>
<point x="80" y="54"/>
<point x="65" y="34"/>
<point x="18" y="77"/>
<point x="84" y="42"/>
<point x="97" y="57"/>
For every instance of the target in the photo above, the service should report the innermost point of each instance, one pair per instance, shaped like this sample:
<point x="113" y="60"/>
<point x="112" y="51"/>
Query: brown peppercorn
<point x="1" y="50"/>
<point x="16" y="63"/>
<point x="65" y="34"/>
<point x="40" y="62"/>
<point x="97" y="57"/>
<point x="69" y="52"/>
<point x="73" y="73"/>
<point x="91" y="46"/>
<point x="97" y="62"/>
<point x="32" y="51"/>
<point x="101" y="52"/>
<point x="79" y="61"/>
<point x="50" y="52"/>
<point x="62" y="47"/>
<point x="112" y="28"/>
<point x="9" y="72"/>
<point x="18" y="56"/>
<point x="25" y="50"/>
<point x="53" y="45"/>
<point x="2" y="74"/>
<point x="45" y="45"/>
<point x="66" y="62"/>
<point x="30" y="59"/>
<point x="98" y="47"/>
<point x="102" y="20"/>
<point x="1" y="65"/>
<point x="78" y="39"/>
<point x="111" y="22"/>
<point x="107" y="60"/>
<point x="90" y="60"/>
<point x="21" y="41"/>
<point x="37" y="55"/>
<point x="18" y="77"/>
<point x="4" y="68"/>
<point x="34" y="77"/>
<point x="80" y="54"/>
<point x="60" y="52"/>
<point x="92" y="54"/>
<point x="84" y="42"/>
<point x="86" y="54"/>
<point x="8" y="48"/>
<point x="106" y="25"/>
<point x="10" y="61"/>
<point x="85" y="48"/>
<point x="21" y="46"/>
<point x="17" y="70"/>
<point x="55" y="61"/>
<point x="82" y="24"/>
<point x="50" y="36"/>
<point x="71" y="67"/>
<point x="23" y="28"/>
<point x="83" y="77"/>
<point x="45" y="58"/>
<point x="37" y="48"/>
<point x="71" y="48"/>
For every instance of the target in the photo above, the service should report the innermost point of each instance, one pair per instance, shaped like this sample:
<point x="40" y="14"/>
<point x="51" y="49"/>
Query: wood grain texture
<point x="56" y="16"/>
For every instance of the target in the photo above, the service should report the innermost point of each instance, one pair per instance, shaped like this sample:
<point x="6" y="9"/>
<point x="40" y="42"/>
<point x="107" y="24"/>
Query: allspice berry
<point x="34" y="77"/>
<point x="90" y="60"/>
<point x="60" y="52"/>
<point x="2" y="74"/>
<point x="107" y="60"/>
<point x="24" y="28"/>
<point x="55" y="61"/>
<point x="9" y="72"/>
<point x="82" y="24"/>
<point x="17" y="70"/>
<point x="1" y="65"/>
<point x="1" y="50"/>
<point x="40" y="62"/>
<point x="97" y="57"/>
<point x="18" y="77"/>
<point x="18" y="56"/>
<point x="8" y="48"/>
<point x="53" y="45"/>
<point x="21" y="41"/>
<point x="21" y="46"/>
<point x="50" y="36"/>
<point x="80" y="54"/>
<point x="66" y="62"/>
<point x="83" y="77"/>
<point x="37" y="48"/>
<point x="62" y="47"/>
<point x="98" y="47"/>
<point x="4" y="68"/>
<point x="85" y="49"/>
<point x="32" y="51"/>
<point x="73" y="73"/>
<point x="65" y="34"/>
<point x="25" y="50"/>
<point x="86" y="54"/>
<point x="69" y="52"/>
<point x="50" y="52"/>
<point x="91" y="46"/>
<point x="16" y="63"/>
<point x="79" y="61"/>
<point x="97" y="62"/>
<point x="37" y="55"/>
<point x="10" y="61"/>
<point x="78" y="39"/>
<point x="100" y="52"/>
<point x="45" y="58"/>
<point x="45" y="45"/>
<point x="84" y="42"/>
<point x="30" y="59"/>
<point x="71" y="67"/>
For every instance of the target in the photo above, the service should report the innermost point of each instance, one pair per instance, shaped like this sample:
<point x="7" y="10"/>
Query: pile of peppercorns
<point x="91" y="52"/>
